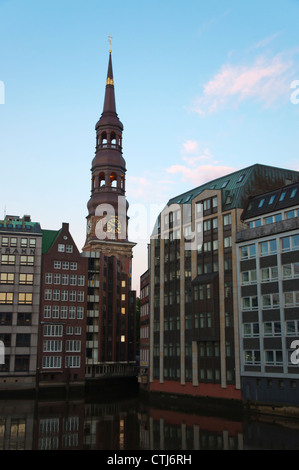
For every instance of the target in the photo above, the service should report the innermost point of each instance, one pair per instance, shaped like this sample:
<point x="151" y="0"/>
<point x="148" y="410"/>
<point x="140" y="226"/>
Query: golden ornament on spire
<point x="110" y="37"/>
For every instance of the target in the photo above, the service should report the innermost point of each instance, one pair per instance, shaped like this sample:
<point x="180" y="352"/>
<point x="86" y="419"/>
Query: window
<point x="282" y="196"/>
<point x="272" y="328"/>
<point x="26" y="279"/>
<point x="290" y="243"/>
<point x="8" y="259"/>
<point x="55" y="311"/>
<point x="248" y="277"/>
<point x="47" y="311"/>
<point x="48" y="278"/>
<point x="13" y="242"/>
<point x="61" y="248"/>
<point x="4" y="241"/>
<point x="73" y="266"/>
<point x="6" y="297"/>
<point x="25" y="298"/>
<point x="261" y="202"/>
<point x="73" y="280"/>
<point x="7" y="278"/>
<point x="57" y="264"/>
<point x="271" y="200"/>
<point x="227" y="219"/>
<point x="290" y="271"/>
<point x="293" y="193"/>
<point x="24" y="242"/>
<point x="250" y="330"/>
<point x="270" y="301"/>
<point x="53" y="330"/>
<point x="268" y="248"/>
<point x="72" y="313"/>
<point x="292" y="328"/>
<point x="269" y="274"/>
<point x="80" y="296"/>
<point x="227" y="242"/>
<point x="207" y="225"/>
<point x="252" y="357"/>
<point x="291" y="299"/>
<point x="26" y="260"/>
<point x="64" y="295"/>
<point x="80" y="313"/>
<point x="72" y="296"/>
<point x="224" y="184"/>
<point x="255" y="223"/>
<point x="63" y="312"/>
<point x="248" y="252"/>
<point x="273" y="358"/>
<point x="250" y="303"/>
<point x="65" y="265"/>
<point x="69" y="248"/>
<point x="64" y="279"/>
<point x="56" y="294"/>
<point x="81" y="281"/>
<point x="32" y="243"/>
<point x="51" y="362"/>
<point x="122" y="338"/>
<point x="206" y="204"/>
<point x="56" y="278"/>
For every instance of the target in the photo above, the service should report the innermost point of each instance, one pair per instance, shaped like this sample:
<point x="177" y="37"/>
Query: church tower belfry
<point x="111" y="302"/>
<point x="107" y="218"/>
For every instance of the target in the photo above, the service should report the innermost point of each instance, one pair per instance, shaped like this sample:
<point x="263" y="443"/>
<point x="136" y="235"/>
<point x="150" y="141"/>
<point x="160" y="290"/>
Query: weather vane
<point x="110" y="37"/>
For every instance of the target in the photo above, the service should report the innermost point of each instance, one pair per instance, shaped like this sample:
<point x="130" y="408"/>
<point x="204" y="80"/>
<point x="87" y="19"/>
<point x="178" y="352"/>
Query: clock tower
<point x="112" y="303"/>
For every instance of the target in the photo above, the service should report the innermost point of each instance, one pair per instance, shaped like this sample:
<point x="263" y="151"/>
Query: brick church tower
<point x="111" y="322"/>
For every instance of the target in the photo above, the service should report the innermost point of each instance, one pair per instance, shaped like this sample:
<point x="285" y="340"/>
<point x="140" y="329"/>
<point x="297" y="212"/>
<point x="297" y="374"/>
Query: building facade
<point x="268" y="269"/>
<point x="111" y="322"/>
<point x="144" y="328"/>
<point x="20" y="284"/>
<point x="63" y="306"/>
<point x="194" y="316"/>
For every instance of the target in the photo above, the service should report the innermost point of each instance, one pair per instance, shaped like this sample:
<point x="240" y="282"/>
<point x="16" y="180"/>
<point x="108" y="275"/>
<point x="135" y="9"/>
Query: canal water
<point x="127" y="420"/>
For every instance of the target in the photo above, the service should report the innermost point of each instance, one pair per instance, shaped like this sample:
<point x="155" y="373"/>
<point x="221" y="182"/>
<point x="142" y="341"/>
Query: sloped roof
<point x="49" y="237"/>
<point x="238" y="186"/>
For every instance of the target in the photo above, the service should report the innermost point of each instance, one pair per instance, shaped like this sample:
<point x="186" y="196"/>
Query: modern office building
<point x="62" y="326"/>
<point x="111" y="314"/>
<point x="194" y="310"/>
<point x="268" y="269"/>
<point x="20" y="284"/>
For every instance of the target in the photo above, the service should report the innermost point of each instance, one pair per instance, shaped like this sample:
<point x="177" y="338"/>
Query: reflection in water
<point x="133" y="424"/>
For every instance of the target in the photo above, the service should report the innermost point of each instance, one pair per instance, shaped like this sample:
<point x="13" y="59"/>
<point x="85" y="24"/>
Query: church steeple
<point x="108" y="166"/>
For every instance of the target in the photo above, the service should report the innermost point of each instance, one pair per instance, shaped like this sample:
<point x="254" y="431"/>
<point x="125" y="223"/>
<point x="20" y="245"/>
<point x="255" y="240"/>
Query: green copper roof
<point x="49" y="236"/>
<point x="236" y="187"/>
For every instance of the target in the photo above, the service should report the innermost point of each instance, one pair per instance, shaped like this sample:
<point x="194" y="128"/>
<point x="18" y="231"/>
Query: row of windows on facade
<point x="281" y="198"/>
<point x="205" y="349"/>
<point x="26" y="298"/>
<point x="286" y="215"/>
<point x="271" y="328"/>
<point x="202" y="320"/>
<point x="65" y="279"/>
<point x="174" y="216"/>
<point x="63" y="312"/>
<point x="270" y="274"/>
<point x="201" y="227"/>
<point x="271" y="357"/>
<point x="25" y="260"/>
<point x="24" y="340"/>
<point x="271" y="301"/>
<point x="204" y="374"/>
<point x="23" y="242"/>
<point x="64" y="295"/>
<point x="270" y="247"/>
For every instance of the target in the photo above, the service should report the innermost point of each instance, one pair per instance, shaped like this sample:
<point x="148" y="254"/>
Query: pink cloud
<point x="265" y="80"/>
<point x="201" y="174"/>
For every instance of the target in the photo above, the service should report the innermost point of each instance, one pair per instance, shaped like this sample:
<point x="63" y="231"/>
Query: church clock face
<point x="113" y="225"/>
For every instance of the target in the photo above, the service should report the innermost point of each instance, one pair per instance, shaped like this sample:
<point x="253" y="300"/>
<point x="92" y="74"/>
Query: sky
<point x="203" y="88"/>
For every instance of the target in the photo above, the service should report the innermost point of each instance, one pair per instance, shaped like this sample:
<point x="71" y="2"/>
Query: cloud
<point x="200" y="166"/>
<point x="265" y="80"/>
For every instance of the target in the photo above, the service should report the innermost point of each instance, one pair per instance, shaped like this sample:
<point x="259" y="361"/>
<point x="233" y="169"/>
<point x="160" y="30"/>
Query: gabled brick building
<point x="62" y="328"/>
